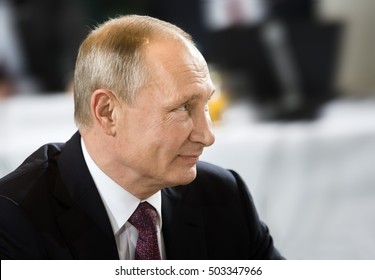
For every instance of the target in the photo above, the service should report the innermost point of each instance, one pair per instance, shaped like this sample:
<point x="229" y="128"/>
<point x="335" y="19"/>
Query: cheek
<point x="154" y="133"/>
<point x="179" y="132"/>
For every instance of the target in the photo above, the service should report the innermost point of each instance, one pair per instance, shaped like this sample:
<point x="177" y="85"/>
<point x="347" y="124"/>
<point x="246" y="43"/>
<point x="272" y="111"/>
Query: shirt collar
<point x="119" y="203"/>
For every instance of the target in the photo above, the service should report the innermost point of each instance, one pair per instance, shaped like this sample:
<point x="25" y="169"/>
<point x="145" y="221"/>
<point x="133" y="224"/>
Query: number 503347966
<point x="235" y="270"/>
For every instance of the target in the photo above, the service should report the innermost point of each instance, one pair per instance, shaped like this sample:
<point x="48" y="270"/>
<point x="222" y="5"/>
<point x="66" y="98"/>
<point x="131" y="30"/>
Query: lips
<point x="190" y="158"/>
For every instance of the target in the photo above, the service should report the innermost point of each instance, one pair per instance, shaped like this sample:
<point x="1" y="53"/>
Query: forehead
<point x="176" y="63"/>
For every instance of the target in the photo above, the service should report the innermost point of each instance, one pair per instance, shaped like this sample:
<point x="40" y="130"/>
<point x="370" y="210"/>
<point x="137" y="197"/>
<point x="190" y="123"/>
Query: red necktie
<point x="144" y="220"/>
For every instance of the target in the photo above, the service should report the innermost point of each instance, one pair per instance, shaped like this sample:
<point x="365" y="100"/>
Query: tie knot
<point x="144" y="218"/>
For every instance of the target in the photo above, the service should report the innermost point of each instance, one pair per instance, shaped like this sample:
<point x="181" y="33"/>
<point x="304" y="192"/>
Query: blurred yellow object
<point x="217" y="105"/>
<point x="218" y="101"/>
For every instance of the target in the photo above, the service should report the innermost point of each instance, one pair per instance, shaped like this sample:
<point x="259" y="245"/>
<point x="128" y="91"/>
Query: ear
<point x="104" y="105"/>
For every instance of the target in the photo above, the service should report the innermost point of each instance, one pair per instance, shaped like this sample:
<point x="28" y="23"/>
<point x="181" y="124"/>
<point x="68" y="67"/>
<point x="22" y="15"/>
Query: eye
<point x="185" y="107"/>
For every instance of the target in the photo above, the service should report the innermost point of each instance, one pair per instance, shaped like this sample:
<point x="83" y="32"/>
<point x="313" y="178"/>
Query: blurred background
<point x="294" y="112"/>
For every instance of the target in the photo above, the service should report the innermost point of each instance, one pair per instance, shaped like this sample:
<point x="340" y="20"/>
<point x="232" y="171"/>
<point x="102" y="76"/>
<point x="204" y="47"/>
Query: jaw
<point x="177" y="174"/>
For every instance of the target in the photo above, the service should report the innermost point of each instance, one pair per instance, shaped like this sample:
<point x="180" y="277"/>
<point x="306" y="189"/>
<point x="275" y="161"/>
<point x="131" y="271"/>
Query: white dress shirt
<point x="120" y="205"/>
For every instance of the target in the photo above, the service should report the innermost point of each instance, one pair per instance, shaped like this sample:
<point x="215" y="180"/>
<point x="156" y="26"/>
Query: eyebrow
<point x="196" y="96"/>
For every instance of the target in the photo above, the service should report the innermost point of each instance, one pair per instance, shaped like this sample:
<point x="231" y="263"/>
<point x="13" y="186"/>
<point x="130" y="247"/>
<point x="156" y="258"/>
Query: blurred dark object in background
<point x="99" y="11"/>
<point x="285" y="64"/>
<point x="289" y="83"/>
<point x="291" y="10"/>
<point x="6" y="84"/>
<point x="186" y="14"/>
<point x="48" y="34"/>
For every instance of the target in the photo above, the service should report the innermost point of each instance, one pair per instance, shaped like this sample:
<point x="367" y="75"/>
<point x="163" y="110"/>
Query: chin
<point x="185" y="177"/>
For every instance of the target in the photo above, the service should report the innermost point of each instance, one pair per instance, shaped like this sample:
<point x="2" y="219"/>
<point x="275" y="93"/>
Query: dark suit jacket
<point x="51" y="209"/>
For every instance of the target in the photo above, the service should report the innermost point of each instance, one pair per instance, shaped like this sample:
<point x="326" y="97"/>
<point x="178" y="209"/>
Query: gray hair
<point x="111" y="58"/>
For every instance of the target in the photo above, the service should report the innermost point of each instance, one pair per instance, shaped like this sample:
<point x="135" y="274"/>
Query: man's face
<point x="163" y="133"/>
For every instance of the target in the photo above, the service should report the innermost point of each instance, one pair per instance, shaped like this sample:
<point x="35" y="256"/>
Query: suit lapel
<point x="183" y="229"/>
<point x="84" y="223"/>
<point x="86" y="226"/>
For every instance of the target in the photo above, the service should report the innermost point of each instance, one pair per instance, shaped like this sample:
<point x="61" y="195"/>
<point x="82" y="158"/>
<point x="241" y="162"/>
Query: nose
<point x="202" y="130"/>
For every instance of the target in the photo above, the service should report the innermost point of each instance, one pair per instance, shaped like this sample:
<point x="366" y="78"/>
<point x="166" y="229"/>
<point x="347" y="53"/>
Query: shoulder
<point x="25" y="203"/>
<point x="213" y="184"/>
<point x="213" y="176"/>
<point x="218" y="195"/>
<point x="208" y="171"/>
<point x="31" y="174"/>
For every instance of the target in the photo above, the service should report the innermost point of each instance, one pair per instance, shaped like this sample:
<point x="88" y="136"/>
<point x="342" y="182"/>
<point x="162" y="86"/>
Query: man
<point x="141" y="95"/>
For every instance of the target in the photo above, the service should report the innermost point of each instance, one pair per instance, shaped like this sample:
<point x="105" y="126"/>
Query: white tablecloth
<point x="27" y="122"/>
<point x="312" y="182"/>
